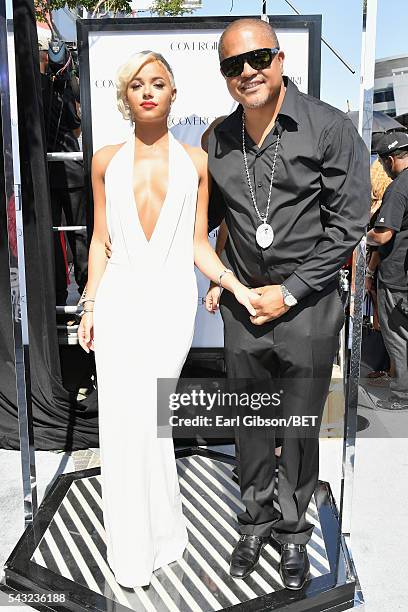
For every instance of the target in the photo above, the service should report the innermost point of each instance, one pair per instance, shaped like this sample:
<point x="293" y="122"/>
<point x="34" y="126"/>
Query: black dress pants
<point x="72" y="202"/>
<point x="394" y="329"/>
<point x="298" y="350"/>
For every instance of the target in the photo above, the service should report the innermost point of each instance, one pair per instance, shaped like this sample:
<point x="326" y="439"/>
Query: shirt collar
<point x="289" y="106"/>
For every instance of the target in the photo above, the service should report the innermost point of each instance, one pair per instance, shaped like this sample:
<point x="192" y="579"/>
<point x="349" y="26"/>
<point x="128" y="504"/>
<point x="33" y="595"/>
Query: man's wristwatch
<point x="288" y="298"/>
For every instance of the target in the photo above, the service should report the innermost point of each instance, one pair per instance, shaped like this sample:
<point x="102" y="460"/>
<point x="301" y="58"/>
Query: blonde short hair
<point x="379" y="183"/>
<point x="128" y="70"/>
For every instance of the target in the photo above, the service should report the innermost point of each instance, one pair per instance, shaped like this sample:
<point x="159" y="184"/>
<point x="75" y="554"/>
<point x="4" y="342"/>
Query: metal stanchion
<point x="357" y="290"/>
<point x="9" y="118"/>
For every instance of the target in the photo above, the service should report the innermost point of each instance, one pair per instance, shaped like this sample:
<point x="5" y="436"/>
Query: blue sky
<point x="341" y="26"/>
<point x="337" y="83"/>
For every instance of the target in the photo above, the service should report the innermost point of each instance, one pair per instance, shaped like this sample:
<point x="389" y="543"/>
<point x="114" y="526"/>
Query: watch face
<point x="290" y="300"/>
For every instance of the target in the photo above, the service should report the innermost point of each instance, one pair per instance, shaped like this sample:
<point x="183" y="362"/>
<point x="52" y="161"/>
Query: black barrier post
<point x="357" y="291"/>
<point x="12" y="180"/>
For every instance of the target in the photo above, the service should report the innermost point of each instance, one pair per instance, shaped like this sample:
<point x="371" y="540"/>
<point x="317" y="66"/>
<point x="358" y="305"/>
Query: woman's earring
<point x="127" y="108"/>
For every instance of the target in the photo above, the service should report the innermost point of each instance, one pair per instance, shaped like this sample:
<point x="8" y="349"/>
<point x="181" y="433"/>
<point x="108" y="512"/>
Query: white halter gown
<point x="144" y="315"/>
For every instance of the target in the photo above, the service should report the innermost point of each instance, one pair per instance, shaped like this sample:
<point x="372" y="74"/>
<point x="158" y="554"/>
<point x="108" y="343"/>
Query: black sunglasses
<point x="259" y="59"/>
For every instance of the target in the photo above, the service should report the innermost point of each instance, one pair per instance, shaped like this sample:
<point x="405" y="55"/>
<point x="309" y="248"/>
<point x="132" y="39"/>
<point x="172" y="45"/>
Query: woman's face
<point x="150" y="93"/>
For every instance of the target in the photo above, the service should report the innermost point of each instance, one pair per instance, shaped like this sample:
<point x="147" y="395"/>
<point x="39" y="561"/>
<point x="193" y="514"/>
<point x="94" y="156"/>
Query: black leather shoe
<point x="294" y="565"/>
<point x="245" y="555"/>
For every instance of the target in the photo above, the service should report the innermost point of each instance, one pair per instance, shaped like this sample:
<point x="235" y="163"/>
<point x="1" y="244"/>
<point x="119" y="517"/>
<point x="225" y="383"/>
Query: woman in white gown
<point x="151" y="201"/>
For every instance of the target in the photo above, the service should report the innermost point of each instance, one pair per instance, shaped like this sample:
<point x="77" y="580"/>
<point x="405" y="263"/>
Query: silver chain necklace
<point x="264" y="233"/>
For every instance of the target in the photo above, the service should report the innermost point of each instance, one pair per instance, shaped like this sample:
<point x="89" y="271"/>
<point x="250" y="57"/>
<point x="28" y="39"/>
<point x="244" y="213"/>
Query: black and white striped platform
<point x="64" y="551"/>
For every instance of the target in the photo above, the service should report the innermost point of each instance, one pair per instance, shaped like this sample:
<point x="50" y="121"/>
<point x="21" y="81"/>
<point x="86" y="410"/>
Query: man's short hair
<point x="400" y="153"/>
<point x="248" y="21"/>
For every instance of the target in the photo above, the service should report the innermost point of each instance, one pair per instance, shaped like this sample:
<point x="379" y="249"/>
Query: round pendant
<point x="264" y="235"/>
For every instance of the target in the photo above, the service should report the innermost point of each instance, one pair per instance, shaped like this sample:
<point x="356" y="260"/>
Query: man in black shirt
<point x="391" y="234"/>
<point x="291" y="178"/>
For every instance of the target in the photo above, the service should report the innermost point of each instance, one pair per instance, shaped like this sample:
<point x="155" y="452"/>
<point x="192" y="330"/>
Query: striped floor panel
<point x="74" y="546"/>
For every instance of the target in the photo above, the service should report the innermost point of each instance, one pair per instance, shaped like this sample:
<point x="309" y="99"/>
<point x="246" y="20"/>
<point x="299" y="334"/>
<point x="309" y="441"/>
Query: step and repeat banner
<point x="190" y="45"/>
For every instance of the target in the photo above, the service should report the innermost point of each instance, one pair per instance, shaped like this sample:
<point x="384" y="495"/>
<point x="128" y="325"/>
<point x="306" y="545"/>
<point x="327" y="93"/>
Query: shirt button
<point x="259" y="184"/>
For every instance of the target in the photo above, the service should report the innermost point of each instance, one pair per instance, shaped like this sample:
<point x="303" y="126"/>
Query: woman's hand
<point x="212" y="299"/>
<point x="244" y="295"/>
<point x="85" y="332"/>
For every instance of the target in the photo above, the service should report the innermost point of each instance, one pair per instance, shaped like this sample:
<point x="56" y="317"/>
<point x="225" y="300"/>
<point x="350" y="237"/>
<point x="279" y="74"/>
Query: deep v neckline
<point x="132" y="193"/>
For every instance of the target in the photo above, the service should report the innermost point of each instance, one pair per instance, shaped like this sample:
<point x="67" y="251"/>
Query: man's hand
<point x="369" y="285"/>
<point x="269" y="304"/>
<point x="108" y="249"/>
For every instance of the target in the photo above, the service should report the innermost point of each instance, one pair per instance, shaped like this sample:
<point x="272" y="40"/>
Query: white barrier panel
<point x="202" y="96"/>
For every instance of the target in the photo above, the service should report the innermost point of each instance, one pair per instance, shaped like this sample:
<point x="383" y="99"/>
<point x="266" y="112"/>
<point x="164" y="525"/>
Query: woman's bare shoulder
<point x="103" y="156"/>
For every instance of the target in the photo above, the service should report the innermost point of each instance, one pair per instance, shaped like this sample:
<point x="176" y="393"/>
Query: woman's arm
<point x="212" y="298"/>
<point x="374" y="261"/>
<point x="206" y="259"/>
<point x="96" y="257"/>
<point x="371" y="270"/>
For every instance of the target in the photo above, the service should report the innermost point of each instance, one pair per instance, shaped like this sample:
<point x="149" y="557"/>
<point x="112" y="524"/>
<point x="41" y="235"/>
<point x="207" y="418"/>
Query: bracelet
<point x="225" y="271"/>
<point x="87" y="311"/>
<point x="83" y="301"/>
<point x="370" y="274"/>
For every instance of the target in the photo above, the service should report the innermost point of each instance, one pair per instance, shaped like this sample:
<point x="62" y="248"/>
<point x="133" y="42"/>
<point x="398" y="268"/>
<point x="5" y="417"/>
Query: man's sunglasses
<point x="259" y="59"/>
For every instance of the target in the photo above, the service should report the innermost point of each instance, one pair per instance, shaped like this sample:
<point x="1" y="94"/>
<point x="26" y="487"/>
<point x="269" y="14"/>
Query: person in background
<point x="60" y="93"/>
<point x="43" y="56"/>
<point x="390" y="234"/>
<point x="379" y="183"/>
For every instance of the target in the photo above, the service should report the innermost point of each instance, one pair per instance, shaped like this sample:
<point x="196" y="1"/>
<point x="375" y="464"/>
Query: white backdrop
<point x="201" y="97"/>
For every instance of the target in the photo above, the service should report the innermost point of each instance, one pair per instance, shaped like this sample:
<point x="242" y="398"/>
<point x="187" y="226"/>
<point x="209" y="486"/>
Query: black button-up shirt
<point x="320" y="195"/>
